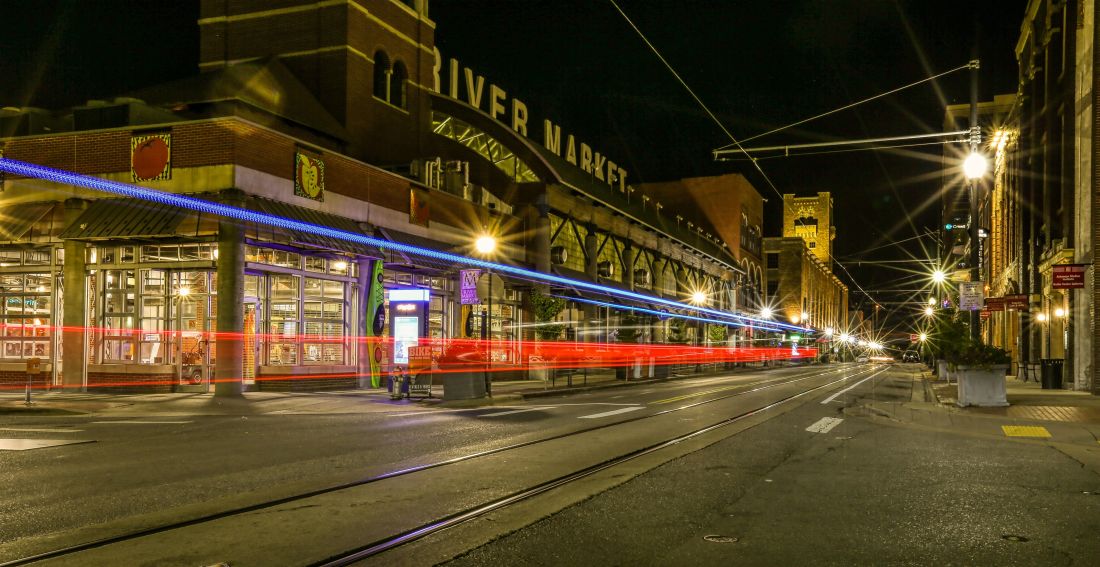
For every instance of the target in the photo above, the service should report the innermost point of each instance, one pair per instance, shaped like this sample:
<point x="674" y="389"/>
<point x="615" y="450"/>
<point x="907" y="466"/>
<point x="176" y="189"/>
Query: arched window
<point x="381" y="75"/>
<point x="398" y="80"/>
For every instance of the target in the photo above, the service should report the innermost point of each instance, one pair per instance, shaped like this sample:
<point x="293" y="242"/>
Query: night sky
<point x="757" y="64"/>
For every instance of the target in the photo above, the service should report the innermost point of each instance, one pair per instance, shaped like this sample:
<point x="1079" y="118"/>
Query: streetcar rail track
<point x="452" y="520"/>
<point x="136" y="534"/>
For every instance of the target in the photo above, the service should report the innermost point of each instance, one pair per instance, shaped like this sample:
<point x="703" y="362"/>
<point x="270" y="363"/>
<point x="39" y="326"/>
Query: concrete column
<point x="229" y="366"/>
<point x="591" y="312"/>
<point x="628" y="266"/>
<point x="541" y="240"/>
<point x="74" y="339"/>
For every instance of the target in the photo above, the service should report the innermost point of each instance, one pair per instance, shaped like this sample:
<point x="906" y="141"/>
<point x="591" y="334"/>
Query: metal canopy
<point x="17" y="219"/>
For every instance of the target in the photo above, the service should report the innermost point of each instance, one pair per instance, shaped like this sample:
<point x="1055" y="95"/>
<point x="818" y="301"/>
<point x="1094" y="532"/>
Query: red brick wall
<point x="130" y="383"/>
<point x="17" y="381"/>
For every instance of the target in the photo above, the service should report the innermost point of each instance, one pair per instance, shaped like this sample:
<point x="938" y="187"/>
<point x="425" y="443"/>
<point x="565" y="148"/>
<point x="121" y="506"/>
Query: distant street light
<point x="698" y="298"/>
<point x="485" y="244"/>
<point x="928" y="311"/>
<point x="828" y="331"/>
<point x="923" y="337"/>
<point x="939" y="276"/>
<point x="974" y="166"/>
<point x="1059" y="312"/>
<point x="931" y="300"/>
<point x="766" y="313"/>
<point x="1041" y="317"/>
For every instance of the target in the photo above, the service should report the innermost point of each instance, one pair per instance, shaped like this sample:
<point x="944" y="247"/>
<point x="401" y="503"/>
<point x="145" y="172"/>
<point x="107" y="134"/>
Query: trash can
<point x="1051" y="373"/>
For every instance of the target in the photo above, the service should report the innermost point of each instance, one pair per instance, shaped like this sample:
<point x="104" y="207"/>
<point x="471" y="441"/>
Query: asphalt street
<point x="142" y="471"/>
<point x="795" y="490"/>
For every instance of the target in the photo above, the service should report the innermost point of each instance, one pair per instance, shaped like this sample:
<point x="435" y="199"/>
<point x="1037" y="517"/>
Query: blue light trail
<point x="63" y="177"/>
<point x="773" y="326"/>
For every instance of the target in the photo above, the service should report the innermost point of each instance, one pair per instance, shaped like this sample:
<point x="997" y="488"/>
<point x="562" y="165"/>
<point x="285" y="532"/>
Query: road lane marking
<point x="697" y="394"/>
<point x="824" y="425"/>
<point x="1025" y="431"/>
<point x="28" y="444"/>
<point x="832" y="397"/>
<point x="33" y="430"/>
<point x="500" y="413"/>
<point x="610" y="413"/>
<point x="438" y="411"/>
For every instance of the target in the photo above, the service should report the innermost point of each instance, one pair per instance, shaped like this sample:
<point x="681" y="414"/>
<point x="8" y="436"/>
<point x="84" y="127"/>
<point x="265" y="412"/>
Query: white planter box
<point x="941" y="369"/>
<point x="984" y="387"/>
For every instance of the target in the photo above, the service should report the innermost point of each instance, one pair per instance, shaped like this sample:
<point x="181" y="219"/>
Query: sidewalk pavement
<point x="1066" y="419"/>
<point x="341" y="401"/>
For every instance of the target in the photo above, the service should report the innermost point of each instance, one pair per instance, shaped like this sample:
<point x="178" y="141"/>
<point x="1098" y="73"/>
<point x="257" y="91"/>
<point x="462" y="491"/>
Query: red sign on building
<point x="1017" y="302"/>
<point x="1068" y="276"/>
<point x="995" y="303"/>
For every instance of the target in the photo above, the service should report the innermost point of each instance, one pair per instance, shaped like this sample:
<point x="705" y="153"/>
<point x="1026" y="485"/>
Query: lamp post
<point x="974" y="168"/>
<point x="485" y="245"/>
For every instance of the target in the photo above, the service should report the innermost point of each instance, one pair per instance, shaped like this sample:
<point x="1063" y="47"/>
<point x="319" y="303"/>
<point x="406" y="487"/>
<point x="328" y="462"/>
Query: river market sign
<point x="463" y="84"/>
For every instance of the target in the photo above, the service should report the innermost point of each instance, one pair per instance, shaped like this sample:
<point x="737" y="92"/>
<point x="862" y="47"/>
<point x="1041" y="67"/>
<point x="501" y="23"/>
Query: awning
<point x="415" y="261"/>
<point x="295" y="212"/>
<point x="17" y="219"/>
<point x="132" y="218"/>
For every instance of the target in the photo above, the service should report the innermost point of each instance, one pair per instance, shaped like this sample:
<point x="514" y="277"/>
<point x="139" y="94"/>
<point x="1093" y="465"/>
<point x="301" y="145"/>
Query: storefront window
<point x="154" y="314"/>
<point x="119" y="310"/>
<point x="26" y="312"/>
<point x="283" y="318"/>
<point x="323" y="320"/>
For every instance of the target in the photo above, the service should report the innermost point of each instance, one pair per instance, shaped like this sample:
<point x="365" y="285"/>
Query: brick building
<point x="340" y="114"/>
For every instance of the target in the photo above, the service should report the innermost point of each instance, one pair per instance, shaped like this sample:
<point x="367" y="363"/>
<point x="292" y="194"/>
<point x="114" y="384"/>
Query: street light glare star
<point x="766" y="313"/>
<point x="939" y="276"/>
<point x="698" y="298"/>
<point x="485" y="244"/>
<point x="974" y="166"/>
<point x="929" y="311"/>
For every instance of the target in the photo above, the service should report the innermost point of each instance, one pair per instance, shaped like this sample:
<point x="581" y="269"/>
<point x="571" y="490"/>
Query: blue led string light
<point x="198" y="205"/>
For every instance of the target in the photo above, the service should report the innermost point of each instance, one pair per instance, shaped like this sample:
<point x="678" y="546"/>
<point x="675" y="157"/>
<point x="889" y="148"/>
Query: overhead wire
<point x="857" y="103"/>
<point x="722" y="126"/>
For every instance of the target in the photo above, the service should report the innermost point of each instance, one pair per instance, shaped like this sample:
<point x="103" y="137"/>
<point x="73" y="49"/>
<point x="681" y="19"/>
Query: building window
<point x="154" y="315"/>
<point x="772" y="259"/>
<point x="26" y="315"/>
<point x="119" y="310"/>
<point x="323" y="322"/>
<point x="381" y="75"/>
<point x="283" y="320"/>
<point x="398" y="83"/>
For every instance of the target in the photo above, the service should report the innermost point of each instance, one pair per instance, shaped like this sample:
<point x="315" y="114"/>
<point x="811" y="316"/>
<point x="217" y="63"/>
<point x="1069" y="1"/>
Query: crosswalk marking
<point x="28" y="444"/>
<point x="138" y="422"/>
<point x="610" y="413"/>
<point x="500" y="413"/>
<point x="40" y="430"/>
<point x="824" y="425"/>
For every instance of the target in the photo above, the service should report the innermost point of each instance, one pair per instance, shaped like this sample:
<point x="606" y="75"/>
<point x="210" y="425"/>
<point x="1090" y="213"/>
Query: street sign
<point x="1068" y="276"/>
<point x="468" y="287"/>
<point x="971" y="295"/>
<point x="985" y="314"/>
<point x="995" y="303"/>
<point x="1017" y="302"/>
<point x="913" y="337"/>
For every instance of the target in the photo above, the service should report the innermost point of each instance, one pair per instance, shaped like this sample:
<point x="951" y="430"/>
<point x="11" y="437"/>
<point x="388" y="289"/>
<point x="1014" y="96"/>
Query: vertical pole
<point x="229" y="366"/>
<point x="975" y="134"/>
<point x="74" y="338"/>
<point x="489" y="344"/>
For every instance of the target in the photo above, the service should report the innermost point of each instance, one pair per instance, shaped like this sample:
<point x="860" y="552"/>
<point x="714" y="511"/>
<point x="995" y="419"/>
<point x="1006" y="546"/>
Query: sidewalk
<point x="1068" y="419"/>
<point x="341" y="401"/>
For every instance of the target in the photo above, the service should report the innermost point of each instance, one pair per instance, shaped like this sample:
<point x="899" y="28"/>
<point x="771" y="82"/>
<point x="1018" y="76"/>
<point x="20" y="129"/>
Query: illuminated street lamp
<point x="698" y="297"/>
<point x="974" y="166"/>
<point x="1059" y="312"/>
<point x="928" y="311"/>
<point x="923" y="337"/>
<point x="766" y="313"/>
<point x="828" y="331"/>
<point x="939" y="276"/>
<point x="931" y="300"/>
<point x="485" y="245"/>
<point x="1041" y="317"/>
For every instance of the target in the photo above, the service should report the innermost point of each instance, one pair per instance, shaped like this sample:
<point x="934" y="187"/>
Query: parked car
<point x="862" y="358"/>
<point x="910" y="356"/>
